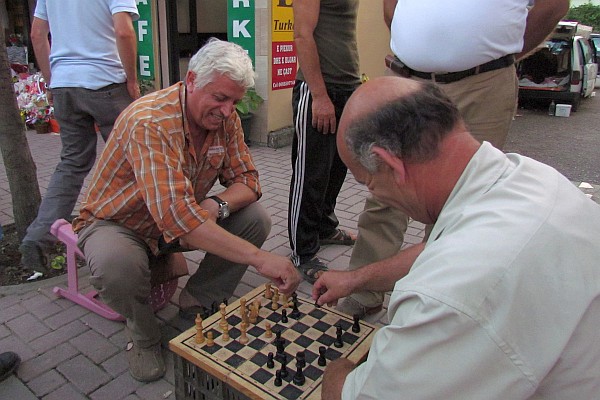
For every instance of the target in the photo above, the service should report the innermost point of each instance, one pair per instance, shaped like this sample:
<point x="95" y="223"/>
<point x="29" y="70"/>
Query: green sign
<point x="241" y="24"/>
<point x="143" y="30"/>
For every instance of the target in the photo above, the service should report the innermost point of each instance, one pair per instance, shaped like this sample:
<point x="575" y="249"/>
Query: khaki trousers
<point x="119" y="263"/>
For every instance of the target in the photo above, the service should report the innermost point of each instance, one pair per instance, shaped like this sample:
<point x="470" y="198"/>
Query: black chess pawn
<point x="278" y="380"/>
<point x="299" y="378"/>
<point x="283" y="370"/>
<point x="295" y="311"/>
<point x="356" y="324"/>
<point x="225" y="301"/>
<point x="214" y="307"/>
<point x="322" y="360"/>
<point x="301" y="359"/>
<point x="270" y="361"/>
<point x="338" y="333"/>
<point x="284" y="317"/>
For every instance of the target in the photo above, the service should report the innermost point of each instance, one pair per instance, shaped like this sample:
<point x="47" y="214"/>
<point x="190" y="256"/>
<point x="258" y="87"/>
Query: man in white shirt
<point x="503" y="300"/>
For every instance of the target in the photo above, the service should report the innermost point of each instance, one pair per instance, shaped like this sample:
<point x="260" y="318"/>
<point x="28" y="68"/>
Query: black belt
<point x="393" y="63"/>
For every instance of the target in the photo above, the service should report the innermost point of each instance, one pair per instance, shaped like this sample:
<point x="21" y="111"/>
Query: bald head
<point x="407" y="118"/>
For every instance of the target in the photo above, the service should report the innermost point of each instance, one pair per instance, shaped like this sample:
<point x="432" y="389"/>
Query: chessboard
<point x="243" y="355"/>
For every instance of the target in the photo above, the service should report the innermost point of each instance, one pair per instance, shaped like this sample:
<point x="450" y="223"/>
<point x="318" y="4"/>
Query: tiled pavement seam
<point x="70" y="353"/>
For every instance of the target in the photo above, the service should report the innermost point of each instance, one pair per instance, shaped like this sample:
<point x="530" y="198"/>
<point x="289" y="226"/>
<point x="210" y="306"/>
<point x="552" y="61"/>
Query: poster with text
<point x="284" y="63"/>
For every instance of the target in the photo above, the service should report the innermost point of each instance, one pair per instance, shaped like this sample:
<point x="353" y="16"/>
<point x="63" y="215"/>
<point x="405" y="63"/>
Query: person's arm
<point x="334" y="378"/>
<point x="306" y="16"/>
<point x="389" y="6"/>
<point x="213" y="239"/>
<point x="541" y="21"/>
<point x="127" y="47"/>
<point x="380" y="276"/>
<point x="41" y="46"/>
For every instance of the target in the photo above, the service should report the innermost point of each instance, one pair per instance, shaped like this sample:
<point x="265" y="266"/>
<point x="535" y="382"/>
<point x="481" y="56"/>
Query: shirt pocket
<point x="215" y="161"/>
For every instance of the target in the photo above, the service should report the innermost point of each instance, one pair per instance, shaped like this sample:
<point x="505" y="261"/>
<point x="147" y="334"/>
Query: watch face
<point x="225" y="210"/>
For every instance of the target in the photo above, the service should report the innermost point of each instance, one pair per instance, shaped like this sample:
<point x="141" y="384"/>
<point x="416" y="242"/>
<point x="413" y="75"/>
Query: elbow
<point x="125" y="34"/>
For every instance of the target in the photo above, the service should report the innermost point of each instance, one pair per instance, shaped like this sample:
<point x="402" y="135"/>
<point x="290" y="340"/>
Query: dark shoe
<point x="353" y="307"/>
<point x="311" y="270"/>
<point x="33" y="257"/>
<point x="9" y="361"/>
<point x="190" y="313"/>
<point x="339" y="237"/>
<point x="145" y="364"/>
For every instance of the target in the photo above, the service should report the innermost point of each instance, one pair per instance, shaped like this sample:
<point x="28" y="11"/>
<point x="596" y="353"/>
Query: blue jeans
<point x="76" y="110"/>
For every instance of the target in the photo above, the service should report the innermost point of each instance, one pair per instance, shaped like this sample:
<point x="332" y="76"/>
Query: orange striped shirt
<point x="149" y="177"/>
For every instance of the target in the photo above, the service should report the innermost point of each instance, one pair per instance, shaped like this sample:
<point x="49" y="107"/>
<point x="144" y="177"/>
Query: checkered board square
<point x="244" y="366"/>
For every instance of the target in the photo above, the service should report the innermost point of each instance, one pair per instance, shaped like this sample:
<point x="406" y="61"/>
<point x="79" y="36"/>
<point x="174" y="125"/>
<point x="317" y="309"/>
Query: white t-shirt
<point x="449" y="36"/>
<point x="83" y="48"/>
<point x="504" y="301"/>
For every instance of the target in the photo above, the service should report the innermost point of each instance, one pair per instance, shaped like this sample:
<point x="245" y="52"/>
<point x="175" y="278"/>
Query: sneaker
<point x="9" y="361"/>
<point x="145" y="364"/>
<point x="352" y="307"/>
<point x="33" y="257"/>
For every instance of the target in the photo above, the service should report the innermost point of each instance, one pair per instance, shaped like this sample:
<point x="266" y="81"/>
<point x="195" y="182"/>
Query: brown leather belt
<point x="393" y="63"/>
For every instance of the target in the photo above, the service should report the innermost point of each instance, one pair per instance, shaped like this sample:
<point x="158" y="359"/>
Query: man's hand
<point x="334" y="378"/>
<point x="332" y="286"/>
<point x="133" y="89"/>
<point x="280" y="270"/>
<point x="323" y="115"/>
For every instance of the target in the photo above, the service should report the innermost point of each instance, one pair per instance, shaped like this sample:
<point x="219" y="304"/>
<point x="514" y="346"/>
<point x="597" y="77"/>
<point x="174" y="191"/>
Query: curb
<point x="26" y="287"/>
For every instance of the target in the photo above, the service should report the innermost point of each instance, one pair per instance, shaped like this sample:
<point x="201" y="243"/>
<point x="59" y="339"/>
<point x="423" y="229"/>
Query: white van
<point x="562" y="69"/>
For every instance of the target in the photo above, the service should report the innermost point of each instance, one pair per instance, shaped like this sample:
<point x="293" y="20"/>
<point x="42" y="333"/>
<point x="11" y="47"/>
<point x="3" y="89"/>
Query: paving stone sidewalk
<point x="70" y="353"/>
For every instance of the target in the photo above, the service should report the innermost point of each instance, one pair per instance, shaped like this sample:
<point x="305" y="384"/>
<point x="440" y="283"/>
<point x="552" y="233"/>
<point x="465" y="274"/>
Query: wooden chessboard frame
<point x="186" y="347"/>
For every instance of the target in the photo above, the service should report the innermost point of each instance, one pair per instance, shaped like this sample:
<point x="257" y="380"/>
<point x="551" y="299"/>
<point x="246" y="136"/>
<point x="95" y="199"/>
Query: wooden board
<point x="243" y="367"/>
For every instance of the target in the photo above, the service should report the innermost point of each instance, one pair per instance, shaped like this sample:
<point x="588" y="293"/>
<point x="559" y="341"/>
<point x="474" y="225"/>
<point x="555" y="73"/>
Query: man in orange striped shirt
<point x="148" y="194"/>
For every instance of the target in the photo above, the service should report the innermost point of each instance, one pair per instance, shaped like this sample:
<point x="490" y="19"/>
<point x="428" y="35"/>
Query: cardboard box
<point x="563" y="110"/>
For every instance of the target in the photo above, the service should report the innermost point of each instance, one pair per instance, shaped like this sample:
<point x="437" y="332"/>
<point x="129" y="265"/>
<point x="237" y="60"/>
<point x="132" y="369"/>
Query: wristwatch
<point x="223" y="207"/>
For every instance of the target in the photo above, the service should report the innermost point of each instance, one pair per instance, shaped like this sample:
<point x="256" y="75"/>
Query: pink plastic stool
<point x="159" y="295"/>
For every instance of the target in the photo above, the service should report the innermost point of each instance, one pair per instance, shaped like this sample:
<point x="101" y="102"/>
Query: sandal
<point x="339" y="237"/>
<point x="312" y="270"/>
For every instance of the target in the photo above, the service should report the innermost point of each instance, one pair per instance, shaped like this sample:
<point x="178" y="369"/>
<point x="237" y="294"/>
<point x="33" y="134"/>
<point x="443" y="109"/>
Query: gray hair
<point x="218" y="57"/>
<point x="410" y="127"/>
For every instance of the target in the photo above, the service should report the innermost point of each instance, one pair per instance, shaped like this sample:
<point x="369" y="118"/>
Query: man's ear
<point x="393" y="162"/>
<point x="189" y="80"/>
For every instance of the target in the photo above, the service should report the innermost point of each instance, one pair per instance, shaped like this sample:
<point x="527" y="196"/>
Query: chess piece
<point x="338" y="340"/>
<point x="268" y="332"/>
<point x="278" y="380"/>
<point x="253" y="315"/>
<point x="268" y="291"/>
<point x="356" y="324"/>
<point x="243" y="310"/>
<point x="301" y="358"/>
<point x="223" y="323"/>
<point x="295" y="311"/>
<point x="226" y="334"/>
<point x="270" y="361"/>
<point x="299" y="378"/>
<point x="284" y="301"/>
<point x="225" y="301"/>
<point x="210" y="339"/>
<point x="243" y="339"/>
<point x="284" y="317"/>
<point x="199" y="333"/>
<point x="214" y="307"/>
<point x="274" y="304"/>
<point x="322" y="360"/>
<point x="284" y="371"/>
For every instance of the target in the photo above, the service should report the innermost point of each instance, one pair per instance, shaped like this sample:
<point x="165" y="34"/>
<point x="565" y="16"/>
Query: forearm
<point x="308" y="59"/>
<point x="41" y="47"/>
<point x="383" y="275"/>
<point x="238" y="196"/>
<point x="541" y="21"/>
<point x="126" y="44"/>
<point x="334" y="378"/>
<point x="389" y="6"/>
